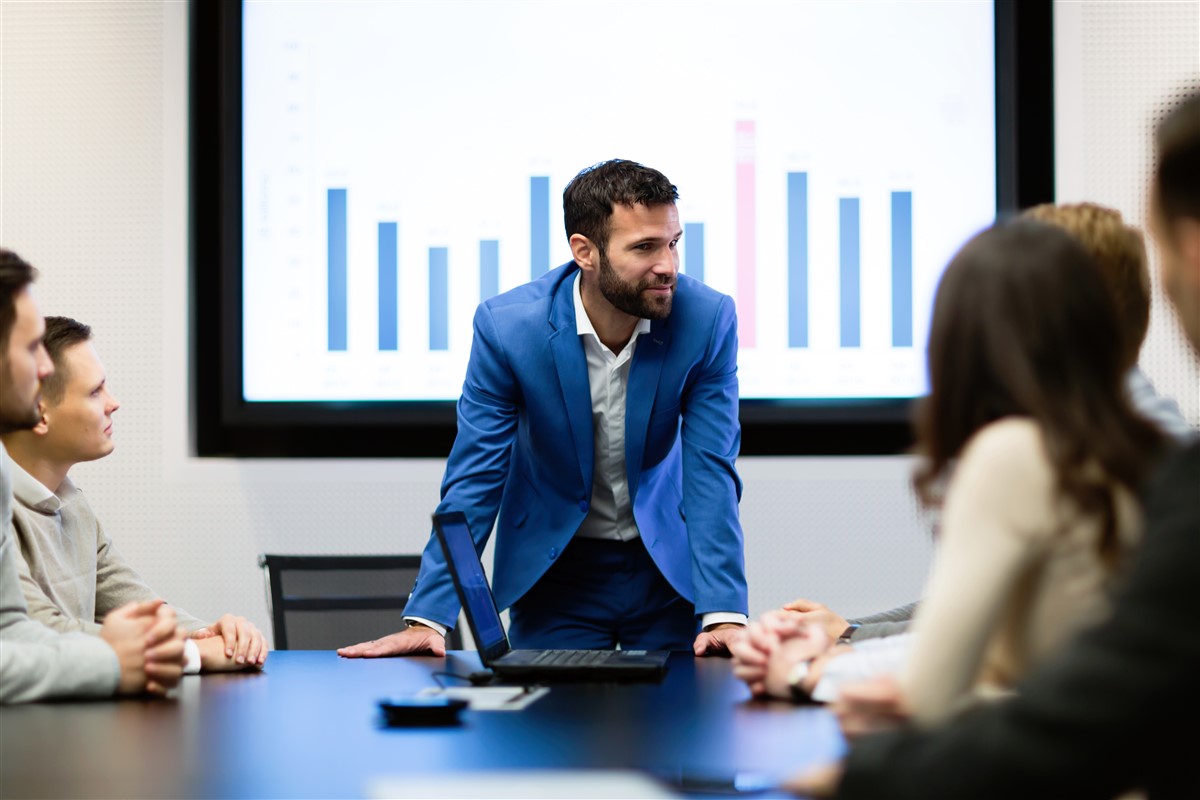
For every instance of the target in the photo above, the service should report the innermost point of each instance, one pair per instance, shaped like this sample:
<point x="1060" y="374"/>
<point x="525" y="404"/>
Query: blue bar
<point x="439" y="298"/>
<point x="489" y="269"/>
<point x="337" y="269"/>
<point x="797" y="227"/>
<point x="848" y="224"/>
<point x="539" y="226"/>
<point x="693" y="249"/>
<point x="389" y="329"/>
<point x="902" y="290"/>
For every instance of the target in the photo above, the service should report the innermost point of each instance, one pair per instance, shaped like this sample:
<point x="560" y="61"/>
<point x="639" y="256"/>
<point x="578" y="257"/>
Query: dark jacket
<point x="1119" y="709"/>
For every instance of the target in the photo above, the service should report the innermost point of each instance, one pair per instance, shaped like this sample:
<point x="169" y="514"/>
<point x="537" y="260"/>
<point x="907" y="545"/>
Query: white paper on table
<point x="489" y="698"/>
<point x="585" y="784"/>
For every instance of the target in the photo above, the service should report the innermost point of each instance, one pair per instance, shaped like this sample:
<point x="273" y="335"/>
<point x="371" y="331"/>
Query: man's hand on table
<point x="148" y="645"/>
<point x="231" y="643"/>
<point x="417" y="639"/>
<point x="715" y="640"/>
<point x="818" y="614"/>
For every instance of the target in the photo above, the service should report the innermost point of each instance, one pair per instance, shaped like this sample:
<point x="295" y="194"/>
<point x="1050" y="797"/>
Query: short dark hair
<point x="61" y="334"/>
<point x="1177" y="177"/>
<point x="591" y="196"/>
<point x="1023" y="325"/>
<point x="15" y="275"/>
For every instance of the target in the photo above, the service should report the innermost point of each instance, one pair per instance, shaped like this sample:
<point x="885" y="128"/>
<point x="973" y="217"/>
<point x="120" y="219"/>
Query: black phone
<point x="423" y="711"/>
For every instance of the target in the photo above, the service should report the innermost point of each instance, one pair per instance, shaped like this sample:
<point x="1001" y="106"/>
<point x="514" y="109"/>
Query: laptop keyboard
<point x="571" y="657"/>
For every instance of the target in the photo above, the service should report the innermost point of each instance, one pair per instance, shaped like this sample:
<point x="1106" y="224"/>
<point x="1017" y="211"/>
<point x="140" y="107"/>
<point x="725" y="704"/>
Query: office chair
<point x="326" y="602"/>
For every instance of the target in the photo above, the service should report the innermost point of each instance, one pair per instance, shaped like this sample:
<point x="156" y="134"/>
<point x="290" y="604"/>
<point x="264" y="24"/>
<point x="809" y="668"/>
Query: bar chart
<point x="797" y="233"/>
<point x="826" y="208"/>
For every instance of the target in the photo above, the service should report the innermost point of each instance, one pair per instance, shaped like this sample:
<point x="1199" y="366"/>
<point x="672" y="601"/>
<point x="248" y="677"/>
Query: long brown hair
<point x="1023" y="325"/>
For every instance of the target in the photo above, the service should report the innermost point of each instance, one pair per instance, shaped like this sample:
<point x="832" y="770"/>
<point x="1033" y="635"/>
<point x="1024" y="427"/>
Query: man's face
<point x="24" y="364"/>
<point x="643" y="243"/>
<point x="1179" y="266"/>
<point x="79" y="425"/>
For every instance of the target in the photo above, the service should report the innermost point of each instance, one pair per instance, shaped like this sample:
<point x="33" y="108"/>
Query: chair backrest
<point x="325" y="602"/>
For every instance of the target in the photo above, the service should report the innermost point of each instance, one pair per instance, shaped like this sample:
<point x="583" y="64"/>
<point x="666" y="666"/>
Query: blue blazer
<point x="524" y="447"/>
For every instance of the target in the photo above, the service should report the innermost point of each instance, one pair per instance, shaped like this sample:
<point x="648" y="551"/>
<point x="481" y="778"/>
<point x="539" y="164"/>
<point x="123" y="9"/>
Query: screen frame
<point x="441" y="521"/>
<point x="223" y="424"/>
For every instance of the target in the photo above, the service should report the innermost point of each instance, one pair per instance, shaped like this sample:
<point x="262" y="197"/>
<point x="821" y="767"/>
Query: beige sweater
<point x="71" y="573"/>
<point x="1016" y="575"/>
<point x="35" y="662"/>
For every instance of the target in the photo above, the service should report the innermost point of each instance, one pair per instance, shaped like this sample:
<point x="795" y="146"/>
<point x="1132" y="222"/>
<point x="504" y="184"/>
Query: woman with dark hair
<point x="1027" y="405"/>
<point x="1033" y="454"/>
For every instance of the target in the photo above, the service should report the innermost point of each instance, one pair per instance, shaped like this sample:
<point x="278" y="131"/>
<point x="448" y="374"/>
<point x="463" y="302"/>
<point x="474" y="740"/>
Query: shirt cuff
<point x="192" y="651"/>
<point x="717" y="617"/>
<point x="439" y="628"/>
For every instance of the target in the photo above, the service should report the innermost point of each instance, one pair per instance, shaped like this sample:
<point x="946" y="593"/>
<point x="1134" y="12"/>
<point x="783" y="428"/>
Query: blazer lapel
<point x="571" y="363"/>
<point x="639" y="399"/>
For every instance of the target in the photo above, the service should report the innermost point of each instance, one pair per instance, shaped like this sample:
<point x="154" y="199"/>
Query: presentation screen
<point x="402" y="162"/>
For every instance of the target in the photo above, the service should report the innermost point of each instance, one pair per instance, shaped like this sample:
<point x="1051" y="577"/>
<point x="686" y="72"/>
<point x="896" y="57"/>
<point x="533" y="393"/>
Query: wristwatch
<point x="795" y="679"/>
<point x="846" y="634"/>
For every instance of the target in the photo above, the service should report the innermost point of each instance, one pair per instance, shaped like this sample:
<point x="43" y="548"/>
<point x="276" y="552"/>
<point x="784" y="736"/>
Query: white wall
<point x="1119" y="66"/>
<point x="93" y="192"/>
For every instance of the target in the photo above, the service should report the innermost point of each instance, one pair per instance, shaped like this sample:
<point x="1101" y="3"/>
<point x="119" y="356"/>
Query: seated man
<point x="71" y="573"/>
<point x="139" y="648"/>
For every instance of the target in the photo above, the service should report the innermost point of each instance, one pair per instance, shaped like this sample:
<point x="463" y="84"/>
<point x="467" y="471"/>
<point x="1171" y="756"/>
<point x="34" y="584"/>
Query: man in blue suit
<point x="599" y="420"/>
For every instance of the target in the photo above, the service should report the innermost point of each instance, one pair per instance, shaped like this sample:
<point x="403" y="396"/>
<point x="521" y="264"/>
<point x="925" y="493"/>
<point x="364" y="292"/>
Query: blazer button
<point x="553" y="553"/>
<point x="583" y="506"/>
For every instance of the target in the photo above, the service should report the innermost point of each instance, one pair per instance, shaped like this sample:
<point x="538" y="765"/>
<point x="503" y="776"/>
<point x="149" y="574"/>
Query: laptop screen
<point x="474" y="591"/>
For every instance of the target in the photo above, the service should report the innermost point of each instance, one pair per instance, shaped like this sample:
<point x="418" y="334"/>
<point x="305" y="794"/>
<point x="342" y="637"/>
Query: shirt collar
<point x="583" y="323"/>
<point x="30" y="492"/>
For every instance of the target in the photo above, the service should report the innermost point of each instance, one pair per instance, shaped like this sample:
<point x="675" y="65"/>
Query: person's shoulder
<point x="695" y="300"/>
<point x="541" y="289"/>
<point x="1010" y="445"/>
<point x="697" y="291"/>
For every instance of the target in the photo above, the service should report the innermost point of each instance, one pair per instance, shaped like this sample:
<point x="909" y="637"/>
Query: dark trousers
<point x="599" y="594"/>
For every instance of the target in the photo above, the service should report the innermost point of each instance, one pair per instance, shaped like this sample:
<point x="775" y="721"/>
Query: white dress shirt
<point x="610" y="515"/>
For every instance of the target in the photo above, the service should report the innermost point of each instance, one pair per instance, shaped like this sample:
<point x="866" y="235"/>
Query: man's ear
<point x="584" y="252"/>
<point x="43" y="425"/>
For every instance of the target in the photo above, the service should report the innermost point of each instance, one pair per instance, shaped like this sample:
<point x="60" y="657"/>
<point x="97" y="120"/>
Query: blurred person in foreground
<point x="71" y="573"/>
<point x="139" y="648"/>
<point x="1104" y="717"/>
<point x="1027" y="404"/>
<point x="1119" y="253"/>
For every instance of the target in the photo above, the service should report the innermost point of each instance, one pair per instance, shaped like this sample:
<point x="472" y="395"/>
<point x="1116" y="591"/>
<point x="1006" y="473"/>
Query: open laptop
<point x="479" y="606"/>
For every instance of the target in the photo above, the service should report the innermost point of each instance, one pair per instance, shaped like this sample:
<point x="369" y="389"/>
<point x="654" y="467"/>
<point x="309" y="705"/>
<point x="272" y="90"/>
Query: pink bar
<point x="744" y="159"/>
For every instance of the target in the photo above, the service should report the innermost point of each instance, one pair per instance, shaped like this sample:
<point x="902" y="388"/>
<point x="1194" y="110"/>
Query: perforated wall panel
<point x="1119" y="68"/>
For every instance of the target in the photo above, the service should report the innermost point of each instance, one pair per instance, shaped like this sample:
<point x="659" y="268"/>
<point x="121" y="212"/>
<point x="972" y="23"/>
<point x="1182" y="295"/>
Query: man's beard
<point x="628" y="297"/>
<point x="15" y="417"/>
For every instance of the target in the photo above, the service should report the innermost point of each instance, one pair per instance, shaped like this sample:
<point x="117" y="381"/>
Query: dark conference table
<point x="308" y="726"/>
